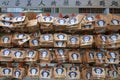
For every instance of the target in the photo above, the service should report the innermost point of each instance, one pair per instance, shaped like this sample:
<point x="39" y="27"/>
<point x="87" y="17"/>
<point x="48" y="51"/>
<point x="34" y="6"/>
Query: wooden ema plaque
<point x="73" y="41"/>
<point x="114" y="22"/>
<point x="33" y="72"/>
<point x="98" y="72"/>
<point x="73" y="23"/>
<point x="6" y="55"/>
<point x="19" y="73"/>
<point x="6" y="72"/>
<point x="114" y="38"/>
<point x="46" y="73"/>
<point x="32" y="25"/>
<point x="18" y="55"/>
<point x="74" y="57"/>
<point x="46" y="40"/>
<point x="61" y="24"/>
<point x="86" y="41"/>
<point x="90" y="56"/>
<point x="73" y="72"/>
<point x="101" y="24"/>
<point x="59" y="73"/>
<point x="6" y="40"/>
<point x="60" y="37"/>
<point x="61" y="54"/>
<point x="31" y="55"/>
<point x="44" y="56"/>
<point x="34" y="42"/>
<point x="20" y="21"/>
<point x="86" y="74"/>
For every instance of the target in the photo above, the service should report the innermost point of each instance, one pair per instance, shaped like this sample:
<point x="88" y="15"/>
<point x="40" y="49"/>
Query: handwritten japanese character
<point x="17" y="3"/>
<point x="89" y="3"/>
<point x="78" y="3"/>
<point x="66" y="2"/>
<point x="29" y="3"/>
<point x="53" y="3"/>
<point x="5" y="3"/>
<point x="114" y="3"/>
<point x="41" y="3"/>
<point x="102" y="3"/>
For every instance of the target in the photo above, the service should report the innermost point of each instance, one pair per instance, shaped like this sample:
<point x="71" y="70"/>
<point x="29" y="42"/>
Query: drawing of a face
<point x="101" y="23"/>
<point x="18" y="54"/>
<point x="46" y="37"/>
<point x="72" y="21"/>
<point x="30" y="53"/>
<point x="6" y="23"/>
<point x="114" y="73"/>
<point x="7" y="18"/>
<point x="17" y="73"/>
<point x="72" y="74"/>
<point x="60" y="43"/>
<point x="86" y="38"/>
<point x="44" y="53"/>
<point x="91" y="55"/>
<point x="61" y="52"/>
<point x="19" y="18"/>
<point x="47" y="19"/>
<point x="99" y="55"/>
<point x="20" y="36"/>
<point x="88" y="75"/>
<point x="6" y="71"/>
<point x="61" y="21"/>
<point x="115" y="22"/>
<point x="73" y="68"/>
<point x="89" y="18"/>
<point x="75" y="56"/>
<point x="111" y="60"/>
<point x="35" y="42"/>
<point x="98" y="71"/>
<point x="112" y="54"/>
<point x="6" y="52"/>
<point x="59" y="71"/>
<point x="73" y="40"/>
<point x="114" y="37"/>
<point x="60" y="36"/>
<point x="33" y="71"/>
<point x="45" y="73"/>
<point x="5" y="39"/>
<point x="103" y="37"/>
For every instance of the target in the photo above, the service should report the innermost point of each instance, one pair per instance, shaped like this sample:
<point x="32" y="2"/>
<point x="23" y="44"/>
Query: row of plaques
<point x="80" y="22"/>
<point x="65" y="55"/>
<point x="61" y="40"/>
<point x="61" y="72"/>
